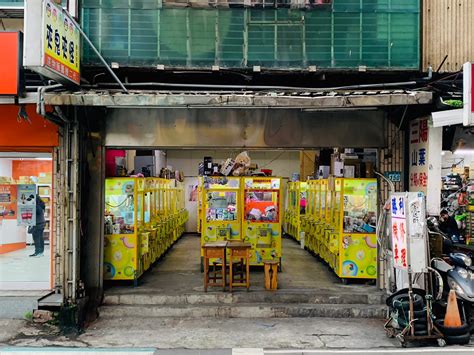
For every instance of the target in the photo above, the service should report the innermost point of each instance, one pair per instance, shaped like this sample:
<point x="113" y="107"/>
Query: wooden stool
<point x="210" y="251"/>
<point x="241" y="251"/>
<point x="271" y="272"/>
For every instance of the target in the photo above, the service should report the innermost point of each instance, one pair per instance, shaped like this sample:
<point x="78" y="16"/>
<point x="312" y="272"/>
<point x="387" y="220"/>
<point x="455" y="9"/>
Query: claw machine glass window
<point x="221" y="209"/>
<point x="262" y="218"/>
<point x="121" y="224"/>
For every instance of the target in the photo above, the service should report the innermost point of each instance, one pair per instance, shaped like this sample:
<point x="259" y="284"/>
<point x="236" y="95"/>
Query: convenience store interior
<point x="176" y="267"/>
<point x="22" y="176"/>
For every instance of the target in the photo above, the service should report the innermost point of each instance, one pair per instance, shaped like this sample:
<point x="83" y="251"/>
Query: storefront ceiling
<point x="241" y="99"/>
<point x="238" y="128"/>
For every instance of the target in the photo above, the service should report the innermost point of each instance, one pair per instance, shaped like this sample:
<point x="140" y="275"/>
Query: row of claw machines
<point x="244" y="209"/>
<point x="337" y="218"/>
<point x="143" y="219"/>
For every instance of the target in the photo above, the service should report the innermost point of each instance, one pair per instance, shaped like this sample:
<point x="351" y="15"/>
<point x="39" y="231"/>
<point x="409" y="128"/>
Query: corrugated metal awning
<point x="240" y="99"/>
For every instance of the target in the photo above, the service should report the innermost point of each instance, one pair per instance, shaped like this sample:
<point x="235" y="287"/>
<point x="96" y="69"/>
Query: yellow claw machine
<point x="123" y="223"/>
<point x="222" y="209"/>
<point x="261" y="224"/>
<point x="357" y="254"/>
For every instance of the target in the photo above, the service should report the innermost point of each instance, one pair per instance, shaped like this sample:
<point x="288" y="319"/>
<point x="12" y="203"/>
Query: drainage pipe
<point x="40" y="105"/>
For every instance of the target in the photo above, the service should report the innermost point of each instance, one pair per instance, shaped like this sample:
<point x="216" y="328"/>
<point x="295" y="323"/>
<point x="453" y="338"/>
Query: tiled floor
<point x="18" y="271"/>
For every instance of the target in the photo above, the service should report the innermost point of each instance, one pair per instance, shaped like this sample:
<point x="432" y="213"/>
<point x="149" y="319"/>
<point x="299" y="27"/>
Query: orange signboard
<point x="10" y="63"/>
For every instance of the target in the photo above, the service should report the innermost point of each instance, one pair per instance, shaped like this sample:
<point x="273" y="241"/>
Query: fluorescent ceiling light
<point x="43" y="158"/>
<point x="464" y="152"/>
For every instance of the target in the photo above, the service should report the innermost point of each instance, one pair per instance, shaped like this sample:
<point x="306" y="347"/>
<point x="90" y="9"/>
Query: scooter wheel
<point x="458" y="339"/>
<point x="450" y="331"/>
<point x="441" y="342"/>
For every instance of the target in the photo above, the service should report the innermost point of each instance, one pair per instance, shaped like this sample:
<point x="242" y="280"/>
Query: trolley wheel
<point x="402" y="341"/>
<point x="389" y="334"/>
<point x="441" y="342"/>
<point x="344" y="281"/>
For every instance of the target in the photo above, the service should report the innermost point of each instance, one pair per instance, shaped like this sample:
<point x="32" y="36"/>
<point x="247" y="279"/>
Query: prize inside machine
<point x="296" y="208"/>
<point x="199" y="204"/>
<point x="288" y="209"/>
<point x="311" y="215"/>
<point x="470" y="213"/>
<point x="221" y="215"/>
<point x="320" y="222"/>
<point x="262" y="218"/>
<point x="357" y="242"/>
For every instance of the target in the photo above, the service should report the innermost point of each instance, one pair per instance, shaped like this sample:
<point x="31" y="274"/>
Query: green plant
<point x="29" y="316"/>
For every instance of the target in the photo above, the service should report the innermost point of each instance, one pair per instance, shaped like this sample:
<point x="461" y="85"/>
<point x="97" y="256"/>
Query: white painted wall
<point x="5" y="167"/>
<point x="283" y="164"/>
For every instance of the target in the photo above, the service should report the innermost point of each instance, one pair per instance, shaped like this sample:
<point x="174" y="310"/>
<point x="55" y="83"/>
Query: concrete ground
<point x="177" y="275"/>
<point x="292" y="334"/>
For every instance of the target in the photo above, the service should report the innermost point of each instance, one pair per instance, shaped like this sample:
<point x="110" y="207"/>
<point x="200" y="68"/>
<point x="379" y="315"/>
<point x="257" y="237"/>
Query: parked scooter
<point x="455" y="273"/>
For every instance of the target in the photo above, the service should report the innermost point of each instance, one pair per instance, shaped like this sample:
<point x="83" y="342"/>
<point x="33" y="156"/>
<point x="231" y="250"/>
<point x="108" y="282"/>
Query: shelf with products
<point x="343" y="230"/>
<point x="262" y="219"/>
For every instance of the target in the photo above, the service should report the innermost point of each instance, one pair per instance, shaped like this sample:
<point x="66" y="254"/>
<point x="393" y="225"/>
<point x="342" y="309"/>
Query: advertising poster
<point x="26" y="205"/>
<point x="8" y="201"/>
<point x="399" y="232"/>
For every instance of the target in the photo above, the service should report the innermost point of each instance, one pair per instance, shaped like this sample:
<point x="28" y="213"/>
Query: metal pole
<point x="109" y="69"/>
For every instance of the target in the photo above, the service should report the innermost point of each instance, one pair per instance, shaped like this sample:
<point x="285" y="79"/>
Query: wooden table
<point x="271" y="272"/>
<point x="239" y="250"/>
<point x="210" y="251"/>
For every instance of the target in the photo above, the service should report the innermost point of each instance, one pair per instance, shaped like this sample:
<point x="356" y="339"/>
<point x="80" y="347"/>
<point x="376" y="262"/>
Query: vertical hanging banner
<point x="26" y="215"/>
<point x="51" y="42"/>
<point x="419" y="155"/>
<point x="417" y="234"/>
<point x="425" y="162"/>
<point x="399" y="231"/>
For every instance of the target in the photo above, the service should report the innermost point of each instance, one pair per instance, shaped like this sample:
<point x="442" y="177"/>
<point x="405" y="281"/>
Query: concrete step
<point x="221" y="298"/>
<point x="262" y="310"/>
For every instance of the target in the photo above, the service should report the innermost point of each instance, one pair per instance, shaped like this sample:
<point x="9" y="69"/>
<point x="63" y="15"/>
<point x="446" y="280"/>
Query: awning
<point x="249" y="99"/>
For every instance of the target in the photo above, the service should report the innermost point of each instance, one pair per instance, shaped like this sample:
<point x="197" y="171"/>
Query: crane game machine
<point x="221" y="213"/>
<point x="262" y="218"/>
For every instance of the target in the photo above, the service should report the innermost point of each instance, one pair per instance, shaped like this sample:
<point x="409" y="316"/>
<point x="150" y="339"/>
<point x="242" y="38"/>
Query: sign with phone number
<point x="61" y="43"/>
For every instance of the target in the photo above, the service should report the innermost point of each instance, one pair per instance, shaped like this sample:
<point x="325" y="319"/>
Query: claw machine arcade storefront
<point x="27" y="141"/>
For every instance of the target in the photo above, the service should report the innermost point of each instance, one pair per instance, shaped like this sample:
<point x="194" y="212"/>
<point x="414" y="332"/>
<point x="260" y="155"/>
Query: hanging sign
<point x="26" y="205"/>
<point x="10" y="63"/>
<point x="409" y="237"/>
<point x="468" y="109"/>
<point x="51" y="42"/>
<point x="393" y="176"/>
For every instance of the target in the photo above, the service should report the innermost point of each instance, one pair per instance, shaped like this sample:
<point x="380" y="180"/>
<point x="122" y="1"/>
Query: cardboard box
<point x="324" y="171"/>
<point x="349" y="171"/>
